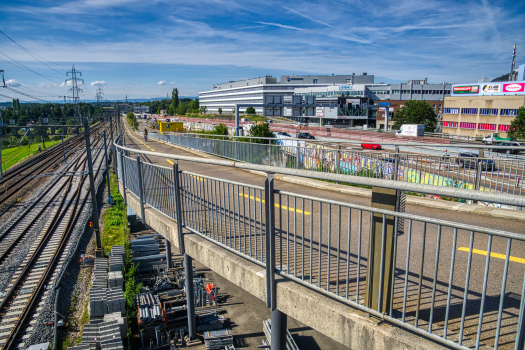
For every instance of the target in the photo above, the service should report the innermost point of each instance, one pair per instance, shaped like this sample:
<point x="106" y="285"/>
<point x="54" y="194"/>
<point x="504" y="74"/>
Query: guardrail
<point x="473" y="173"/>
<point x="458" y="284"/>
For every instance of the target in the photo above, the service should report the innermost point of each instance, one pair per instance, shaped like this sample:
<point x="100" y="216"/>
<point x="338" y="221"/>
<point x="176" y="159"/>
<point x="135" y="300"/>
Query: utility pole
<point x="99" y="251"/>
<point x="1" y="122"/>
<point x="100" y="94"/>
<point x="513" y="65"/>
<point x="75" y="89"/>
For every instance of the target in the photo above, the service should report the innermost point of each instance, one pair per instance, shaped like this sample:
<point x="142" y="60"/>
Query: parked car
<point x="470" y="160"/>
<point x="284" y="134"/>
<point x="371" y="145"/>
<point x="509" y="150"/>
<point x="305" y="135"/>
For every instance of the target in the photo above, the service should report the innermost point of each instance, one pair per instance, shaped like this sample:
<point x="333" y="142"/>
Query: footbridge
<point x="368" y="276"/>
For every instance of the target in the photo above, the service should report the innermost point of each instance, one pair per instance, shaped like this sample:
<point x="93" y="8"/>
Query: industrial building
<point x="226" y="95"/>
<point x="340" y="99"/>
<point x="480" y="109"/>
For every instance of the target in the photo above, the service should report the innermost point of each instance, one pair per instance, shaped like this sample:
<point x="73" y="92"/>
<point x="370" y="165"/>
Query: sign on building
<point x="319" y="111"/>
<point x="466" y="89"/>
<point x="514" y="87"/>
<point x="490" y="88"/>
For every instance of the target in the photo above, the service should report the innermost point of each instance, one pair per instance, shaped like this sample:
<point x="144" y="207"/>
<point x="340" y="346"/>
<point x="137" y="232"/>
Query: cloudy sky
<point x="146" y="48"/>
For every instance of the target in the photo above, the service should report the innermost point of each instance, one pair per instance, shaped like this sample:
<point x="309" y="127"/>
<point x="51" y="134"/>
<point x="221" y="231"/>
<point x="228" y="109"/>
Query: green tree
<point x="517" y="126"/>
<point x="203" y="109"/>
<point x="171" y="110"/>
<point x="250" y="110"/>
<point x="220" y="110"/>
<point x="175" y="98"/>
<point x="416" y="112"/>
<point x="220" y="129"/>
<point x="261" y="130"/>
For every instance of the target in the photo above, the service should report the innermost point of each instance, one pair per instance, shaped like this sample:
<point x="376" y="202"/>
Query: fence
<point x="476" y="173"/>
<point x="458" y="284"/>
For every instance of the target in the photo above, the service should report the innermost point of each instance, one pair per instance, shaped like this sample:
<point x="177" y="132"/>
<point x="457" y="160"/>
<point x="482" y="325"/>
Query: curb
<point x="364" y="192"/>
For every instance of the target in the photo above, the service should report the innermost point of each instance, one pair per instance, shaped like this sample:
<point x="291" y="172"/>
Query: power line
<point x="100" y="94"/>
<point x="74" y="88"/>
<point x="28" y="69"/>
<point x="32" y="54"/>
<point x="23" y="93"/>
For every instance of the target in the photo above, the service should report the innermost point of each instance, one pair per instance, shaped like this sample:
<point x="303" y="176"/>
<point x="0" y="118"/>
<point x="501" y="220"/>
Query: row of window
<point x="473" y="126"/>
<point x="482" y="111"/>
<point x="419" y="92"/>
<point x="225" y="97"/>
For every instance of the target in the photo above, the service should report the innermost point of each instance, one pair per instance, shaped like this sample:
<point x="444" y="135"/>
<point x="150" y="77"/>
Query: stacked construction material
<point x="132" y="219"/>
<point x="209" y="322"/>
<point x="148" y="307"/>
<point x="100" y="273"/>
<point x="121" y="321"/>
<point x="118" y="250"/>
<point x="145" y="250"/>
<point x="110" y="336"/>
<point x="267" y="328"/>
<point x="115" y="300"/>
<point x="115" y="279"/>
<point x="98" y="303"/>
<point x="116" y="263"/>
<point x="218" y="339"/>
<point x="90" y="334"/>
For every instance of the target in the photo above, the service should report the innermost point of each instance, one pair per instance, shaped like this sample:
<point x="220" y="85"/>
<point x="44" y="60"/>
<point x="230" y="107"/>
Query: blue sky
<point x="146" y="48"/>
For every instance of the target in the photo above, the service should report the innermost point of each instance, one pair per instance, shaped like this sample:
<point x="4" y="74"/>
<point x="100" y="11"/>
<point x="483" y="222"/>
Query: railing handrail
<point x="491" y="197"/>
<point x="356" y="142"/>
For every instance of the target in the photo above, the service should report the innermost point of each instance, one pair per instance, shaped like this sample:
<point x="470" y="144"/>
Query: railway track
<point x="19" y="177"/>
<point x="34" y="245"/>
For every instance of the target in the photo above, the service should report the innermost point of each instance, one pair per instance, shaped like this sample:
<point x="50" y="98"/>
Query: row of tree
<point x="34" y="111"/>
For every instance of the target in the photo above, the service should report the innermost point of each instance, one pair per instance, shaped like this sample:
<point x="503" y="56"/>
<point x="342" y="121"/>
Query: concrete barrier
<point x="337" y="320"/>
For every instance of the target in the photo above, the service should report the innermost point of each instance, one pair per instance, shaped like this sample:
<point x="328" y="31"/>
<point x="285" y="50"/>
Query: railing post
<point x="251" y="151"/>
<point x="479" y="167"/>
<point x="297" y="156"/>
<point x="178" y="208"/>
<point x="123" y="177"/>
<point x="338" y="160"/>
<point x="279" y="319"/>
<point x="141" y="191"/>
<point x="190" y="298"/>
<point x="396" y="163"/>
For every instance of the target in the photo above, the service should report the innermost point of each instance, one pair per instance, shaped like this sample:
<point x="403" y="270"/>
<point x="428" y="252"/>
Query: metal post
<point x="63" y="149"/>
<point x="278" y="330"/>
<point x="141" y="191"/>
<point x="188" y="271"/>
<point x="123" y="178"/>
<point x="178" y="208"/>
<point x="168" y="254"/>
<point x="297" y="156"/>
<point x="251" y="151"/>
<point x="479" y="167"/>
<point x="99" y="251"/>
<point x="1" y="166"/>
<point x="110" y="199"/>
<point x="338" y="160"/>
<point x="270" y="241"/>
<point x="396" y="163"/>
<point x="237" y="120"/>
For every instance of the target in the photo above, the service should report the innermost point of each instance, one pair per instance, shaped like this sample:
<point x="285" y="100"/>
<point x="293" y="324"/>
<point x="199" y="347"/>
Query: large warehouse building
<point x="480" y="109"/>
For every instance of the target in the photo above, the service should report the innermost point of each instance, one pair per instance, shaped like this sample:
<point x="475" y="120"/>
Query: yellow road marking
<point x="169" y="161"/>
<point x="198" y="178"/>
<point x="277" y="205"/>
<point x="493" y="255"/>
<point x="152" y="149"/>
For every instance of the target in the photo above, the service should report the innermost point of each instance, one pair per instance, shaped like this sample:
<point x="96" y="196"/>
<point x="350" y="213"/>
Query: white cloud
<point x="13" y="83"/>
<point x="98" y="83"/>
<point x="280" y="25"/>
<point x="162" y="82"/>
<point x="42" y="85"/>
<point x="172" y="83"/>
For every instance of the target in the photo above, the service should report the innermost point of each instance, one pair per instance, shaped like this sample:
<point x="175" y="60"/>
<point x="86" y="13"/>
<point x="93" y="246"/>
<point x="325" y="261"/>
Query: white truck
<point x="411" y="130"/>
<point x="495" y="138"/>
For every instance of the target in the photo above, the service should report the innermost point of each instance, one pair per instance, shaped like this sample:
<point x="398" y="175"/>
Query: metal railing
<point x="458" y="284"/>
<point x="476" y="173"/>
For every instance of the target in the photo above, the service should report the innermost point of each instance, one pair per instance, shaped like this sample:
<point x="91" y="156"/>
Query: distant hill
<point x="504" y="77"/>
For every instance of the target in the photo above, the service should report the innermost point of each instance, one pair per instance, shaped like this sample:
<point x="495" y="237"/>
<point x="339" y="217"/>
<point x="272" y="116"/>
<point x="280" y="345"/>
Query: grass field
<point x="14" y="155"/>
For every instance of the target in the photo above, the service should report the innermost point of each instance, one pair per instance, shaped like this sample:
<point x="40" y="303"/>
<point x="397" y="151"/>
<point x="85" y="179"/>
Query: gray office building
<point x="253" y="90"/>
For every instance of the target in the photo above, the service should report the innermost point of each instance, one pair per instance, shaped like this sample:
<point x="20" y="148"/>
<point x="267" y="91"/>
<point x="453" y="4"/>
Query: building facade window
<point x="467" y="125"/>
<point x="512" y="112"/>
<point x="451" y="110"/>
<point x="469" y="111"/>
<point x="488" y="111"/>
<point x="483" y="126"/>
<point x="450" y="124"/>
<point x="316" y="81"/>
<point x="504" y="128"/>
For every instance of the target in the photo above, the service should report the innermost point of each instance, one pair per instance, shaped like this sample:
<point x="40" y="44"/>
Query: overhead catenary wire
<point x="20" y="65"/>
<point x="34" y="55"/>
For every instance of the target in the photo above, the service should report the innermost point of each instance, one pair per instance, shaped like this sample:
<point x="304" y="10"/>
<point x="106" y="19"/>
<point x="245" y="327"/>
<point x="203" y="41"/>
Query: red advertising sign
<point x="469" y="89"/>
<point x="514" y="87"/>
